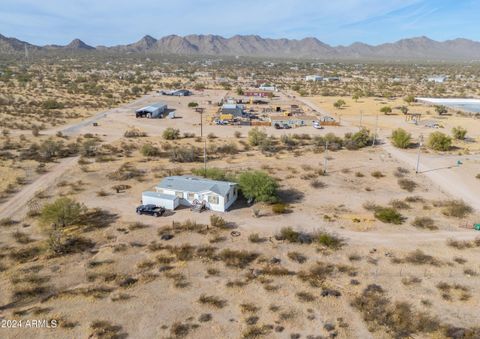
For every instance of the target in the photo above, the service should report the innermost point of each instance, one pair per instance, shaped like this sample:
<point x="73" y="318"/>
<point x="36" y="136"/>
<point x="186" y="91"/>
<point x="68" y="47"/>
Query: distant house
<point x="293" y="121"/>
<point x="313" y="78"/>
<point x="267" y="87"/>
<point x="438" y="79"/>
<point x="217" y="195"/>
<point x="153" y="111"/>
<point x="236" y="110"/>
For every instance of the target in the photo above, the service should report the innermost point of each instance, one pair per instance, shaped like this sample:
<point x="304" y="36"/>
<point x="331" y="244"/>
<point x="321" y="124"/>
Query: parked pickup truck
<point x="150" y="210"/>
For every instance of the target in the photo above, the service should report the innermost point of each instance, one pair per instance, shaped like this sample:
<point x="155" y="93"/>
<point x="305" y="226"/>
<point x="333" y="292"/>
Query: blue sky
<point x="110" y="22"/>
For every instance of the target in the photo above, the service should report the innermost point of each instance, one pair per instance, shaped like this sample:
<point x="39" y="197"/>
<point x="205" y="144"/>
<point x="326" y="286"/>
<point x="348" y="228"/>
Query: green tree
<point x="401" y="138"/>
<point x="240" y="91"/>
<point x="439" y="141"/>
<point x="386" y="110"/>
<point x="149" y="150"/>
<point x="62" y="212"/>
<point x="193" y="104"/>
<point x="339" y="104"/>
<point x="258" y="186"/>
<point x="404" y="109"/>
<point x="440" y="109"/>
<point x="459" y="133"/>
<point x="256" y="136"/>
<point x="171" y="134"/>
<point x="409" y="99"/>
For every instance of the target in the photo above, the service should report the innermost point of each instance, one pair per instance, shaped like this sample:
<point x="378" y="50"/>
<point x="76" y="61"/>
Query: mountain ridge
<point x="253" y="45"/>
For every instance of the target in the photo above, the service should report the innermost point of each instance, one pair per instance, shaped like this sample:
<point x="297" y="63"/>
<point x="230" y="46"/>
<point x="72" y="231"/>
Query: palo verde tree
<point x="62" y="212"/>
<point x="401" y="138"/>
<point x="258" y="186"/>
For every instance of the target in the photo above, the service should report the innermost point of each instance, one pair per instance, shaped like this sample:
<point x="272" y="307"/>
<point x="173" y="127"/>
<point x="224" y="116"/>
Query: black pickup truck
<point x="150" y="210"/>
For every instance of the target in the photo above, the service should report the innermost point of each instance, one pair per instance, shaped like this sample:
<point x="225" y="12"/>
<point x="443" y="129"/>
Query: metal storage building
<point x="153" y="111"/>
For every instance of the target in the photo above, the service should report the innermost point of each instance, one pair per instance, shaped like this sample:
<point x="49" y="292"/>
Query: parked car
<point x="278" y="126"/>
<point x="327" y="118"/>
<point x="153" y="210"/>
<point x="286" y="126"/>
<point x="316" y="124"/>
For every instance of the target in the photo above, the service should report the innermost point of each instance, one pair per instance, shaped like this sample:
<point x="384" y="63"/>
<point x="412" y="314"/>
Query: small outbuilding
<point x="153" y="111"/>
<point x="236" y="110"/>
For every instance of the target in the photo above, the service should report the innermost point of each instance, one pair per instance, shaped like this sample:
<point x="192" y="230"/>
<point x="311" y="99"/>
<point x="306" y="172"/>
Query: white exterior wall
<point x="158" y="201"/>
<point x="220" y="207"/>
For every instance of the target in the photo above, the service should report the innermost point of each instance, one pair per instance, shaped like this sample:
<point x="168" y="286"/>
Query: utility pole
<point x="361" y="118"/>
<point x="375" y="131"/>
<point x="418" y="154"/>
<point x="201" y="123"/>
<point x="325" y="158"/>
<point x="205" y="157"/>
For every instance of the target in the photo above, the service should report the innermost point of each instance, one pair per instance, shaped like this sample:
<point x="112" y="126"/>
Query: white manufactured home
<point x="185" y="190"/>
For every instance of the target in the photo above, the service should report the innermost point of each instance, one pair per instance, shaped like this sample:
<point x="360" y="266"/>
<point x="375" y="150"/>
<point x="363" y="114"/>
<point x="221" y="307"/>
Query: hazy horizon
<point x="119" y="22"/>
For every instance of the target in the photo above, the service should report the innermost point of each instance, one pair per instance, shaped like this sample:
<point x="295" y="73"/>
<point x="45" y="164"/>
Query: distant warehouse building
<point x="235" y="110"/>
<point x="313" y="78"/>
<point x="153" y="111"/>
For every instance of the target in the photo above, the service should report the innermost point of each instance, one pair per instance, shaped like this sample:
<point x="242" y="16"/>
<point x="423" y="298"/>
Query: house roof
<point x="293" y="118"/>
<point x="153" y="107"/>
<point x="195" y="184"/>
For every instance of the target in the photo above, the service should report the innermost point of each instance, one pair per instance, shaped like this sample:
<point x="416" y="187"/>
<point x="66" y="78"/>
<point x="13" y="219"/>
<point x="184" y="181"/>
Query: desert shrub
<point x="398" y="318"/>
<point x="459" y="133"/>
<point x="212" y="300"/>
<point x="237" y="134"/>
<point x="399" y="204"/>
<point x="357" y="140"/>
<point x="212" y="173"/>
<point x="377" y="174"/>
<point x="149" y="150"/>
<point x="407" y="184"/>
<point x="463" y="244"/>
<point x="327" y="240"/>
<point x="288" y="234"/>
<point x="315" y="183"/>
<point x="401" y="138"/>
<point x="134" y="133"/>
<point x="256" y="238"/>
<point x="317" y="274"/>
<point x="424" y="222"/>
<point x="217" y="221"/>
<point x="52" y="104"/>
<point x="7" y="222"/>
<point x="389" y="215"/>
<point x="304" y="296"/>
<point x="418" y="257"/>
<point x="256" y="331"/>
<point x="438" y="141"/>
<point x="104" y="329"/>
<point x="22" y="238"/>
<point x="62" y="212"/>
<point x="258" y="186"/>
<point x="171" y="134"/>
<point x="235" y="258"/>
<point x="455" y="208"/>
<point x="279" y="208"/>
<point x="184" y="154"/>
<point x="192" y="104"/>
<point x="297" y="257"/>
<point x="256" y="136"/>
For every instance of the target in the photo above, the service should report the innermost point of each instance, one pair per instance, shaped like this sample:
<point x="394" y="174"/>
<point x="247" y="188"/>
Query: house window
<point x="227" y="197"/>
<point x="179" y="194"/>
<point x="190" y="196"/>
<point x="213" y="199"/>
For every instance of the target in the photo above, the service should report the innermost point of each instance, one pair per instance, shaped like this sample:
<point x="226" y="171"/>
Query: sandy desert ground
<point x="371" y="280"/>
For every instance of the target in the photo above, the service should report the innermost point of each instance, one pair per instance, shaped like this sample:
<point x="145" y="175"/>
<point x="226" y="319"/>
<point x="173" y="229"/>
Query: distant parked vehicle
<point x="278" y="126"/>
<point x="316" y="124"/>
<point x="432" y="124"/>
<point x="150" y="210"/>
<point x="327" y="118"/>
<point x="286" y="126"/>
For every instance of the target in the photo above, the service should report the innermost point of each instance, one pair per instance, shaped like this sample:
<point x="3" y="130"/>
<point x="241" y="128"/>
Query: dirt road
<point x="20" y="199"/>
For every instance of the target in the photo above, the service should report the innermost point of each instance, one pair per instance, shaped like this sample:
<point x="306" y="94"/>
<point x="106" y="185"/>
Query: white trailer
<point x="169" y="202"/>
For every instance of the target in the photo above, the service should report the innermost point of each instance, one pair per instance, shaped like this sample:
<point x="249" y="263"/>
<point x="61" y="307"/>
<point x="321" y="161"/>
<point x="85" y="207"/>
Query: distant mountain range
<point x="421" y="48"/>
